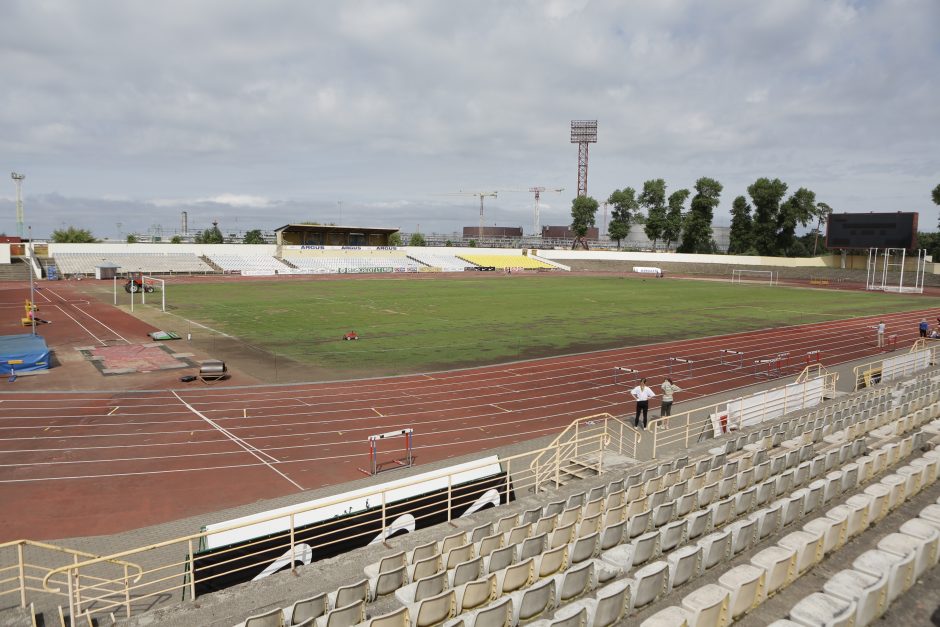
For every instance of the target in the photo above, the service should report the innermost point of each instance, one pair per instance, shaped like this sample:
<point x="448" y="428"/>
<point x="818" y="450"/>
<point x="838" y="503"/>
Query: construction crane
<point x="537" y="190"/>
<point x="481" y="195"/>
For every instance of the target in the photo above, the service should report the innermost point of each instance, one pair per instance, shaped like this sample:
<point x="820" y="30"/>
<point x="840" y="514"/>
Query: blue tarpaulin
<point x="29" y="350"/>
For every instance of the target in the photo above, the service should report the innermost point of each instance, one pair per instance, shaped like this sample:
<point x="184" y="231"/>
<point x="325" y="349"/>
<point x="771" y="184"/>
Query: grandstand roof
<point x="335" y="228"/>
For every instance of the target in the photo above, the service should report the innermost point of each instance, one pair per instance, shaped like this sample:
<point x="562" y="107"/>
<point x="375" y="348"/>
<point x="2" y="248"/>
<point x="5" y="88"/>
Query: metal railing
<point x="29" y="568"/>
<point x="170" y="571"/>
<point x="870" y="373"/>
<point x="673" y="433"/>
<point x="569" y="448"/>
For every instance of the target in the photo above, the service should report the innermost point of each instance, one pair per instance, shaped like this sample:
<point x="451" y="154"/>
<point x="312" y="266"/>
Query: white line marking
<point x="253" y="451"/>
<point x="114" y="410"/>
<point x="97" y="339"/>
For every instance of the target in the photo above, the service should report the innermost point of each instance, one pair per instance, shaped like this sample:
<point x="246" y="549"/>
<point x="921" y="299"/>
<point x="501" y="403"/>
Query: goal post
<point x="740" y="275"/>
<point x="150" y="280"/>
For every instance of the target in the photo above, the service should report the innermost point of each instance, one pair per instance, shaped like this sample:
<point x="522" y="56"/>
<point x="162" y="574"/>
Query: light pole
<point x="18" y="181"/>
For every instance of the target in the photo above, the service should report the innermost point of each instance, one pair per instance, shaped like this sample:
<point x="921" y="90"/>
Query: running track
<point x="87" y="463"/>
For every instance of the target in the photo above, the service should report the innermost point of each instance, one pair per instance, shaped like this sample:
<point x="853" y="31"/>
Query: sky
<point x="123" y="113"/>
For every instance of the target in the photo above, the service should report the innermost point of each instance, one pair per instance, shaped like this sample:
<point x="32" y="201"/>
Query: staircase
<point x="17" y="270"/>
<point x="211" y="264"/>
<point x="584" y="449"/>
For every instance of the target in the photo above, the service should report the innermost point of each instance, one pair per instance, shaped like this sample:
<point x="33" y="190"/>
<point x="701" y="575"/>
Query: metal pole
<point x="32" y="291"/>
<point x="114" y="287"/>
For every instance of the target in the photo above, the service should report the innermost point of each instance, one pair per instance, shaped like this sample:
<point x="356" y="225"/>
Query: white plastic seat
<point x="708" y="606"/>
<point x="900" y="570"/>
<point x="833" y="532"/>
<point x="744" y="501"/>
<point x="905" y="545"/>
<point x="716" y="548"/>
<point x="746" y="586"/>
<point x="563" y="535"/>
<point x="700" y="523"/>
<point x="388" y="563"/>
<point x="639" y="551"/>
<point x="780" y="565"/>
<point x="649" y="583"/>
<point x="672" y="616"/>
<point x="398" y="618"/>
<point x="869" y="592"/>
<point x="476" y="593"/>
<point x="855" y="512"/>
<point x="686" y="503"/>
<point x="344" y="616"/>
<point x="534" y="601"/>
<point x="808" y="547"/>
<point x="639" y="524"/>
<point x="672" y="535"/>
<point x="499" y="559"/>
<point x="743" y="535"/>
<point x="344" y="595"/>
<point x="929" y="536"/>
<point x="685" y="564"/>
<point x="573" y="583"/>
<point x="515" y="577"/>
<point x="612" y="535"/>
<point x="881" y="501"/>
<point x="722" y="511"/>
<point x="307" y="609"/>
<point x="388" y="582"/>
<point x="271" y="618"/>
<point x="897" y="486"/>
<point x="768" y="521"/>
<point x="824" y="610"/>
<point x="465" y="571"/>
<point x="608" y="607"/>
<point x="584" y="548"/>
<point x="422" y="589"/>
<point x="498" y="614"/>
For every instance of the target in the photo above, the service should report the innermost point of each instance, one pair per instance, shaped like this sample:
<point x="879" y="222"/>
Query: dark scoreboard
<point x="872" y="230"/>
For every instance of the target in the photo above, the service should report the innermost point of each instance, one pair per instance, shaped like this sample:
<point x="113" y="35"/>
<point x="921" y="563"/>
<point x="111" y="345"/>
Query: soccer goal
<point x="152" y="283"/>
<point x="770" y="277"/>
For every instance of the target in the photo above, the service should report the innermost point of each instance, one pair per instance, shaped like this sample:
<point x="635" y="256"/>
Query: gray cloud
<point x="385" y="105"/>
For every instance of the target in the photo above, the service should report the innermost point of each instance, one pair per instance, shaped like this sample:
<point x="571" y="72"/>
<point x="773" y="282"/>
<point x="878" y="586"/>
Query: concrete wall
<point x="654" y="258"/>
<point x="4" y="253"/>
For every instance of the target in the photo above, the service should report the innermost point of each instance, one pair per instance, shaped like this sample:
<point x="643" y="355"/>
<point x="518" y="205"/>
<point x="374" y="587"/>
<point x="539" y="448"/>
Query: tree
<point x="936" y="195"/>
<point x="697" y="228"/>
<point x="176" y="239"/>
<point x="823" y="211"/>
<point x="625" y="207"/>
<point x="210" y="236"/>
<point x="132" y="239"/>
<point x="740" y="227"/>
<point x="417" y="240"/>
<point x="71" y="235"/>
<point x="800" y="208"/>
<point x="653" y="199"/>
<point x="673" y="227"/>
<point x="253" y="236"/>
<point x="766" y="196"/>
<point x="583" y="216"/>
<point x="394" y="239"/>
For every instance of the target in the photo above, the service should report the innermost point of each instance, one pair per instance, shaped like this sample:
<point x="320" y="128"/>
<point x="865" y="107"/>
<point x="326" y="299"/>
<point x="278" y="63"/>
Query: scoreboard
<point x="872" y="230"/>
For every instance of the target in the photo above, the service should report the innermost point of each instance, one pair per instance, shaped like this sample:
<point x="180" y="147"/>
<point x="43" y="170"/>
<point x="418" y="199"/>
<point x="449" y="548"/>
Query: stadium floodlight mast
<point x="583" y="132"/>
<point x="18" y="181"/>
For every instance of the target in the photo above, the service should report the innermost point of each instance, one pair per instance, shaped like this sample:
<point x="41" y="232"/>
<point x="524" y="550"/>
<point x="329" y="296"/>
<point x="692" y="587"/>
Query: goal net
<point x="768" y="277"/>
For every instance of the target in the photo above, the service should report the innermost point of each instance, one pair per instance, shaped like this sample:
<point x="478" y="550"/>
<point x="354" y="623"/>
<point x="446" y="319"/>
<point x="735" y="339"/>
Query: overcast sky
<point x="262" y="113"/>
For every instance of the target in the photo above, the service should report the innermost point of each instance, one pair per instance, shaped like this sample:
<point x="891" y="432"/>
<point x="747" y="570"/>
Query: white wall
<point x="4" y="253"/>
<point x="652" y="258"/>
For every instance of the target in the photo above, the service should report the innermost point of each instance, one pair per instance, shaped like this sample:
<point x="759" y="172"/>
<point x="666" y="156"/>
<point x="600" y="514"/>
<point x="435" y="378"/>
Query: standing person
<point x="669" y="388"/>
<point x="881" y="334"/>
<point x="642" y="394"/>
<point x="924" y="327"/>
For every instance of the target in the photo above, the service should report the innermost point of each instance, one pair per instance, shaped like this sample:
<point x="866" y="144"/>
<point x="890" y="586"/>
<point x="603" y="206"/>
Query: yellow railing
<point x="568" y="447"/>
<point x="171" y="568"/>
<point x="27" y="567"/>
<point x="868" y="374"/>
<point x="677" y="432"/>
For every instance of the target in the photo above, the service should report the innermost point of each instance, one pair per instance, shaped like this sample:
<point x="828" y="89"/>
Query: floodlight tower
<point x="18" y="181"/>
<point x="583" y="132"/>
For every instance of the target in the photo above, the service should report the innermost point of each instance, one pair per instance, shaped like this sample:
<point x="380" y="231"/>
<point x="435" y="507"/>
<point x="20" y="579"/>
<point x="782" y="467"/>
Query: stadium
<point x="204" y="446"/>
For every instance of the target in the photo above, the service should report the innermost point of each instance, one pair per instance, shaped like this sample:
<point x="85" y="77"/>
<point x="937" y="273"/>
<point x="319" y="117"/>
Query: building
<point x="492" y="231"/>
<point x="565" y="232"/>
<point x="332" y="235"/>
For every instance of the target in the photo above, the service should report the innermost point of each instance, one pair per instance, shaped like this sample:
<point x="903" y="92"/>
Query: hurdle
<point x="405" y="462"/>
<point x="680" y="360"/>
<point x="619" y="371"/>
<point x="727" y="357"/>
<point x="812" y="357"/>
<point x="768" y="367"/>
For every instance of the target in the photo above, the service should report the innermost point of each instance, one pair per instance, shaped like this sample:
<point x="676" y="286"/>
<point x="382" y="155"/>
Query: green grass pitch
<point x="424" y="325"/>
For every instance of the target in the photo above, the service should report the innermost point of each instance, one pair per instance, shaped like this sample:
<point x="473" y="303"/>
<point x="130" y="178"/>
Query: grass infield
<point x="423" y="325"/>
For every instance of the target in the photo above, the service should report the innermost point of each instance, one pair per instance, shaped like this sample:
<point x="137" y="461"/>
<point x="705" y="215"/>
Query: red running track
<point x="88" y="463"/>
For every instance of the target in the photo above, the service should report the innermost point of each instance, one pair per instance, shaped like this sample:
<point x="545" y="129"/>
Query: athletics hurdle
<point x="768" y="367"/>
<point x="727" y="357"/>
<point x="812" y="357"/>
<point x="680" y="360"/>
<point x="405" y="462"/>
<point x="620" y="371"/>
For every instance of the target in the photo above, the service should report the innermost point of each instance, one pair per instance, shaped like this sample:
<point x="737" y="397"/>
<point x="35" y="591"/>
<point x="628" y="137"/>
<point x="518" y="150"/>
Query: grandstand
<point x="514" y="262"/>
<point x="351" y="261"/>
<point x="724" y="532"/>
<point x="153" y="263"/>
<point x="446" y="262"/>
<point x="249" y="264"/>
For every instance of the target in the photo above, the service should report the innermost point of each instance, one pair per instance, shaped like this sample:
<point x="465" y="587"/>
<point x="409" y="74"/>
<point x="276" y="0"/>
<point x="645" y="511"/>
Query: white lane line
<point x="80" y="310"/>
<point x="253" y="451"/>
<point x="97" y="339"/>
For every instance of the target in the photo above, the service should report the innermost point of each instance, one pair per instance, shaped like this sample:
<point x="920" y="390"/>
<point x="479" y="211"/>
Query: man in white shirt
<point x="642" y="393"/>
<point x="881" y="334"/>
